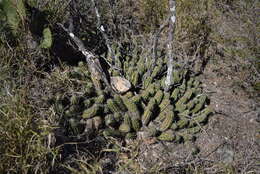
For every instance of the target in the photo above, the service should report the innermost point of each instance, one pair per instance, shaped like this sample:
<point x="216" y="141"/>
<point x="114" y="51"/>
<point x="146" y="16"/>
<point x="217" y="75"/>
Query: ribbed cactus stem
<point x="167" y="136"/>
<point x="167" y="122"/>
<point x="93" y="111"/>
<point x="112" y="105"/>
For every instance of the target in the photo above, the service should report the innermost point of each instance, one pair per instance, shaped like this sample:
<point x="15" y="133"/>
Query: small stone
<point x="120" y="84"/>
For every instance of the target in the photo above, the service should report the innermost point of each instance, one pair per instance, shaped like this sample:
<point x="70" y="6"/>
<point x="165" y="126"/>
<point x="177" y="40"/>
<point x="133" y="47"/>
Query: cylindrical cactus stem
<point x="167" y="95"/>
<point x="112" y="105"/>
<point x="112" y="133"/>
<point x="147" y="116"/>
<point x="162" y="82"/>
<point x="163" y="113"/>
<point x="184" y="122"/>
<point x="192" y="130"/>
<point x="191" y="104"/>
<point x="164" y="104"/>
<point x="167" y="122"/>
<point x="129" y="72"/>
<point x="176" y="77"/>
<point x="145" y="95"/>
<point x="184" y="114"/>
<point x="125" y="128"/>
<point x="201" y="102"/>
<point x="175" y="94"/>
<point x="127" y="119"/>
<point x="183" y="86"/>
<point x="147" y="82"/>
<point x="185" y="97"/>
<point x="133" y="61"/>
<point x="148" y="92"/>
<point x="110" y="120"/>
<point x="135" y="78"/>
<point x="161" y="116"/>
<point x="152" y="104"/>
<point x="148" y="113"/>
<point x="156" y="71"/>
<point x="120" y="102"/>
<point x="168" y="135"/>
<point x="100" y="99"/>
<point x="208" y="110"/>
<point x="158" y="96"/>
<point x="92" y="111"/>
<point x="201" y="118"/>
<point x="160" y="62"/>
<point x="136" y="122"/>
<point x="157" y="87"/>
<point x="180" y="107"/>
<point x="131" y="106"/>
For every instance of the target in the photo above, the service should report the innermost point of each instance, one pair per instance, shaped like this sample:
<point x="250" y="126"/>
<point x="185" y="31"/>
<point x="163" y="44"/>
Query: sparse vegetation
<point x="54" y="119"/>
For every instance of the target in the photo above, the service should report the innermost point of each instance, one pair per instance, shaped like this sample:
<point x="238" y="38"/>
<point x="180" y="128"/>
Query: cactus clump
<point x="174" y="116"/>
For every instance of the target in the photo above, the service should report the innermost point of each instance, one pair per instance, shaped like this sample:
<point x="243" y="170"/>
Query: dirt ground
<point x="232" y="135"/>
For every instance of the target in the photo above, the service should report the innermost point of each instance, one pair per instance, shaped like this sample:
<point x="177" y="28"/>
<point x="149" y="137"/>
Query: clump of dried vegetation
<point x="36" y="60"/>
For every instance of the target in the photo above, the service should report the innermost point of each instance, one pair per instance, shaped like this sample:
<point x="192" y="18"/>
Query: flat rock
<point x="120" y="84"/>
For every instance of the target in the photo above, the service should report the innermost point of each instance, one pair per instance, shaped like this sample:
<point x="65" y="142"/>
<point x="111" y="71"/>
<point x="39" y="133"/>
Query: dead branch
<point x="94" y="66"/>
<point x="169" y="77"/>
<point x="102" y="30"/>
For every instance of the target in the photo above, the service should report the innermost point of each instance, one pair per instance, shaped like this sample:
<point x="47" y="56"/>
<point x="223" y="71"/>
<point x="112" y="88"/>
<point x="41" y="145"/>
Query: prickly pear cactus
<point x="176" y="115"/>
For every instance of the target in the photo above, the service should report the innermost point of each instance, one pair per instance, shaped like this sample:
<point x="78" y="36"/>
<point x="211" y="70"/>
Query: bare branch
<point x="94" y="66"/>
<point x="169" y="77"/>
<point x="102" y="30"/>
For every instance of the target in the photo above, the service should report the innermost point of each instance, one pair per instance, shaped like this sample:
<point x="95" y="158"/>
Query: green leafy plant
<point x="14" y="12"/>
